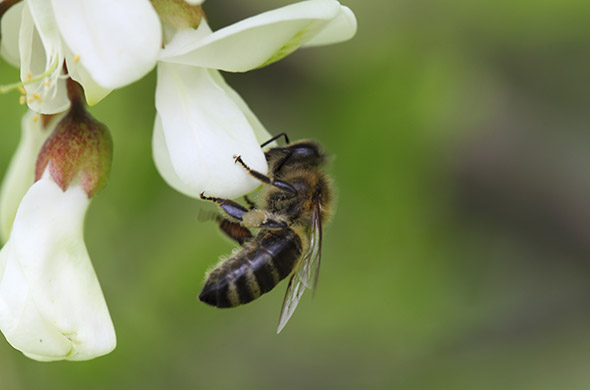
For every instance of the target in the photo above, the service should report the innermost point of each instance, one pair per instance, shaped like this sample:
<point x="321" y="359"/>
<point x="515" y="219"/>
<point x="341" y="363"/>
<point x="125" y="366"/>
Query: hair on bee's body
<point x="289" y="215"/>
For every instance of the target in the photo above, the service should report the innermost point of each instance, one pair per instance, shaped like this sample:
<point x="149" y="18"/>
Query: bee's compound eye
<point x="307" y="150"/>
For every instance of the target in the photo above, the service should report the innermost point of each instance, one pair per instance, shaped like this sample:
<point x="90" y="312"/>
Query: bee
<point x="295" y="203"/>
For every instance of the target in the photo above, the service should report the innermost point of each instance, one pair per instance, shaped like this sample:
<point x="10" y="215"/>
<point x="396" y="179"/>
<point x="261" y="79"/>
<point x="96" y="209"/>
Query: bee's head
<point x="306" y="152"/>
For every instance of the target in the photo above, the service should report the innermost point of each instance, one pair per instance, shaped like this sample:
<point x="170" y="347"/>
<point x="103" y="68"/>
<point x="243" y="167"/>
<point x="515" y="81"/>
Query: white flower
<point x="202" y="123"/>
<point x="51" y="305"/>
<point x="21" y="171"/>
<point x="105" y="44"/>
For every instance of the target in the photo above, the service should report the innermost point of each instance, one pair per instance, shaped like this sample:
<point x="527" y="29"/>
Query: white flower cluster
<point x="51" y="304"/>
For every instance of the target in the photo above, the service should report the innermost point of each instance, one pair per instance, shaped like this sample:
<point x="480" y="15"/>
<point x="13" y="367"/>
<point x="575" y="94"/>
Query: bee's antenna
<point x="275" y="138"/>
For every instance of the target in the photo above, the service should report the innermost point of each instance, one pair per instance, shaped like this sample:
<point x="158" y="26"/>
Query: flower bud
<point x="80" y="146"/>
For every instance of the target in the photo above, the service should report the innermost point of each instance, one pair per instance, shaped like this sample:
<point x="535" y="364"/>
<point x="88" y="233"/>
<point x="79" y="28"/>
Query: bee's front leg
<point x="282" y="185"/>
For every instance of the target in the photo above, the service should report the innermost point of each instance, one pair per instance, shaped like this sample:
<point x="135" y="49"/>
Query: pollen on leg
<point x="253" y="218"/>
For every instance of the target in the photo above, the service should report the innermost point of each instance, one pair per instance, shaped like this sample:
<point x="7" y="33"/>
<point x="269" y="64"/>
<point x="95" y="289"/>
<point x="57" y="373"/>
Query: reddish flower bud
<point x="80" y="146"/>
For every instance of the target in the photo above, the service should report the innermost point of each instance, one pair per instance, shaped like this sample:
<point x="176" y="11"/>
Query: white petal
<point x="118" y="41"/>
<point x="51" y="305"/>
<point x="256" y="41"/>
<point x="195" y="2"/>
<point x="340" y="29"/>
<point x="160" y="149"/>
<point x="262" y="135"/>
<point x="93" y="92"/>
<point x="40" y="53"/>
<point x="10" y="25"/>
<point x="203" y="129"/>
<point x="21" y="171"/>
<point x="162" y="160"/>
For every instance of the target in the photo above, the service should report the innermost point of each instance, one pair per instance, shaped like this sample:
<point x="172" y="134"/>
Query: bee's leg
<point x="267" y="180"/>
<point x="235" y="231"/>
<point x="251" y="204"/>
<point x="231" y="208"/>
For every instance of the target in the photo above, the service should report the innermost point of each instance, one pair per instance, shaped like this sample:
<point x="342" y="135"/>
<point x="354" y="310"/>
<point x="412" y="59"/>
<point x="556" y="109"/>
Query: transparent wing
<point x="306" y="274"/>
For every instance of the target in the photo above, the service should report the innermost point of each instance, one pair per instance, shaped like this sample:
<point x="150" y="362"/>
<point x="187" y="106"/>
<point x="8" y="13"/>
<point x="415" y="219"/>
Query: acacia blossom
<point x="201" y="122"/>
<point x="71" y="52"/>
<point x="101" y="46"/>
<point x="51" y="304"/>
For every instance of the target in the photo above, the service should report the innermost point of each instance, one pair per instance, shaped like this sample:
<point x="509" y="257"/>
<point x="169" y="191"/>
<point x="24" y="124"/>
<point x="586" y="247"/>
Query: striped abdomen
<point x="254" y="270"/>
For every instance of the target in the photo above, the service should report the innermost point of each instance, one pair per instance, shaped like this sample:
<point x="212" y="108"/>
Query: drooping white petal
<point x="51" y="305"/>
<point x="10" y="26"/>
<point x="160" y="149"/>
<point x="256" y="41"/>
<point x="21" y="171"/>
<point x="117" y="41"/>
<point x="162" y="160"/>
<point x="262" y="135"/>
<point x="203" y="129"/>
<point x="41" y="53"/>
<point x="340" y="29"/>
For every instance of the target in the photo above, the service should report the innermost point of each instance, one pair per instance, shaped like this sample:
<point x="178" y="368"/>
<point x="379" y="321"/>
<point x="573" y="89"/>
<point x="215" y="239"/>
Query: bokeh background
<point x="459" y="255"/>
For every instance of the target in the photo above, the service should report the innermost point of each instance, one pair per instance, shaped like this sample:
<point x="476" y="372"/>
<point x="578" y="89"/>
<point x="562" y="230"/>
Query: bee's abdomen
<point x="254" y="270"/>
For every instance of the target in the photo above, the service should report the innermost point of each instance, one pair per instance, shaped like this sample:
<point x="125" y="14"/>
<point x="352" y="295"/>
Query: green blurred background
<point x="458" y="257"/>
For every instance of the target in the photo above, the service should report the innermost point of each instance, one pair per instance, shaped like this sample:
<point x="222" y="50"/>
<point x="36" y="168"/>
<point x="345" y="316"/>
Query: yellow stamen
<point x="22" y="100"/>
<point x="30" y="100"/>
<point x="29" y="76"/>
<point x="46" y="83"/>
<point x="36" y="118"/>
<point x="21" y="89"/>
<point x="77" y="58"/>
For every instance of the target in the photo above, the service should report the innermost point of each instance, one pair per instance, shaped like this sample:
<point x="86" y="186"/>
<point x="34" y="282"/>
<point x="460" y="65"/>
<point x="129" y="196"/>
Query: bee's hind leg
<point x="235" y="231"/>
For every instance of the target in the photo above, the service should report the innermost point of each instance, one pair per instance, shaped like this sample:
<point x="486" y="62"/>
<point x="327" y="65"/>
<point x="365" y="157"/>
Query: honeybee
<point x="295" y="203"/>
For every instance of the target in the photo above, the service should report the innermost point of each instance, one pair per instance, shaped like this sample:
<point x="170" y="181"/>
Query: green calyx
<point x="178" y="13"/>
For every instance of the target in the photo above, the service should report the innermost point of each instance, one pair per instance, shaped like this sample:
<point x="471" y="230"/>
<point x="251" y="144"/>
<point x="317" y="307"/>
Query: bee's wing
<point x="307" y="271"/>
